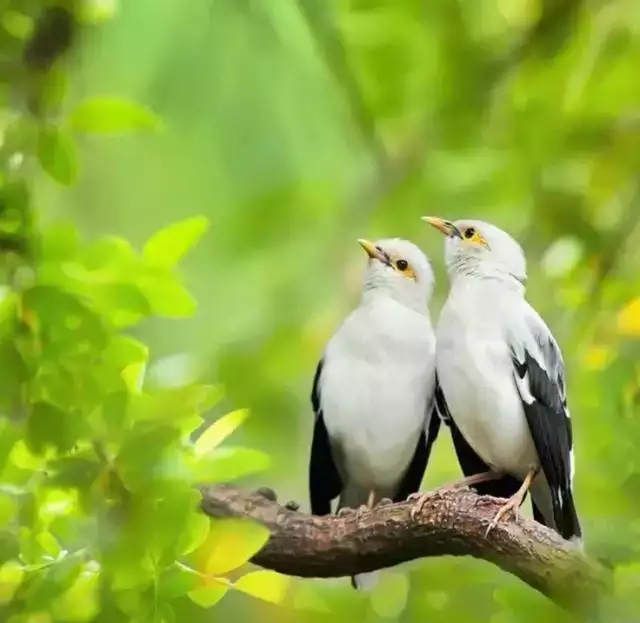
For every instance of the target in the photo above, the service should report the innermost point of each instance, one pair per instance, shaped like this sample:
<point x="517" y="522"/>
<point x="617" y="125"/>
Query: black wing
<point x="539" y="375"/>
<point x="413" y="476"/>
<point x="324" y="480"/>
<point x="471" y="463"/>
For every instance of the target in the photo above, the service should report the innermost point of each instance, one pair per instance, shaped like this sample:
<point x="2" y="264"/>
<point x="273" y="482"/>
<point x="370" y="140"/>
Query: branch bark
<point x="453" y="523"/>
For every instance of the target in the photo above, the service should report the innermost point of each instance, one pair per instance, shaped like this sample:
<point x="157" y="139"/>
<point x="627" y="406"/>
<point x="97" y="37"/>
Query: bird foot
<point x="292" y="505"/>
<point x="511" y="506"/>
<point x="421" y="499"/>
<point x="345" y="511"/>
<point x="363" y="508"/>
<point x="385" y="502"/>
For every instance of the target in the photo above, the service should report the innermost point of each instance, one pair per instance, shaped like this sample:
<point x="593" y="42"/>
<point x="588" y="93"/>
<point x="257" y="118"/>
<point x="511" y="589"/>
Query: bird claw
<point x="510" y="507"/>
<point x="292" y="505"/>
<point x="345" y="511"/>
<point x="421" y="500"/>
<point x="385" y="502"/>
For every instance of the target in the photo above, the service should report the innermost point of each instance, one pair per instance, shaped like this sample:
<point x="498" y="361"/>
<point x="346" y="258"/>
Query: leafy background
<point x="264" y="138"/>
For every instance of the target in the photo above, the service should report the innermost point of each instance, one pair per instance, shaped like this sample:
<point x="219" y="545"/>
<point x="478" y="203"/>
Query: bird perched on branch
<point x="373" y="389"/>
<point x="501" y="384"/>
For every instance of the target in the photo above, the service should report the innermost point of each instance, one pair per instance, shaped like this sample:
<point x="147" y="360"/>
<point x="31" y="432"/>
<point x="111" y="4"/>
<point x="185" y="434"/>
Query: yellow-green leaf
<point x="629" y="318"/>
<point x="227" y="463"/>
<point x="230" y="544"/>
<point x="196" y="533"/>
<point x="109" y="115"/>
<point x="167" y="246"/>
<point x="11" y="575"/>
<point x="219" y="431"/>
<point x="209" y="595"/>
<point x="266" y="585"/>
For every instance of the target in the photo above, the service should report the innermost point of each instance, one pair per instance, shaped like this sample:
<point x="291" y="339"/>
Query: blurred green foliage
<point x="293" y="127"/>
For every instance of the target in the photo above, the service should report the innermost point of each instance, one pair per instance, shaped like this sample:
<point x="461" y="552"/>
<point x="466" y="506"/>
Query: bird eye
<point x="402" y="265"/>
<point x="469" y="233"/>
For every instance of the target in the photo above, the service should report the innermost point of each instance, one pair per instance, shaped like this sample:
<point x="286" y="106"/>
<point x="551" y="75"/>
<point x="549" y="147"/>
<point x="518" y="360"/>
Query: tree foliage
<point x="99" y="510"/>
<point x="294" y="127"/>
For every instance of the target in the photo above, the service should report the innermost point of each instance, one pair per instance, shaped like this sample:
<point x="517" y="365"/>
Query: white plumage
<point x="502" y="376"/>
<point x="373" y="392"/>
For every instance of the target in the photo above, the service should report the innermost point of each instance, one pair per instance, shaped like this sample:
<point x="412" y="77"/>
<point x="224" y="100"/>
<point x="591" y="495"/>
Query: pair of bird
<point x="492" y="372"/>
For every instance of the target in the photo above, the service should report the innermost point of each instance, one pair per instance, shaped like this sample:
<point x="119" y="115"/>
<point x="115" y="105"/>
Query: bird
<point x="373" y="390"/>
<point x="500" y="380"/>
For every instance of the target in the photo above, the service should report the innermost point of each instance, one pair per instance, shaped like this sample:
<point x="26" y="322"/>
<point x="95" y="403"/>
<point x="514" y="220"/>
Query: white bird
<point x="373" y="389"/>
<point x="500" y="375"/>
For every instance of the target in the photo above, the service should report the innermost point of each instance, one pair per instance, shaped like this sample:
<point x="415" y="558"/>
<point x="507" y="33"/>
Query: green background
<point x="298" y="127"/>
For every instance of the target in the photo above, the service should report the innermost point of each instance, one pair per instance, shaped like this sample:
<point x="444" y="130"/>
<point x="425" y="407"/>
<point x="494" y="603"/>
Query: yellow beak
<point x="372" y="251"/>
<point x="446" y="227"/>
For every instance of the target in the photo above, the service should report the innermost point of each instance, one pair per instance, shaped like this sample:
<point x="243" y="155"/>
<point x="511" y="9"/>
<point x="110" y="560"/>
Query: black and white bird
<point x="373" y="389"/>
<point x="501" y="384"/>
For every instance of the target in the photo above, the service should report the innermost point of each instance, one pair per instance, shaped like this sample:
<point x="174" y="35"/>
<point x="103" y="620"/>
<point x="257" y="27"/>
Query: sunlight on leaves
<point x="209" y="595"/>
<point x="225" y="464"/>
<point x="11" y="575"/>
<point x="219" y="431"/>
<point x="108" y="115"/>
<point x="266" y="585"/>
<point x="196" y="533"/>
<point x="81" y="602"/>
<point x="629" y="319"/>
<point x="230" y="544"/>
<point x="167" y="247"/>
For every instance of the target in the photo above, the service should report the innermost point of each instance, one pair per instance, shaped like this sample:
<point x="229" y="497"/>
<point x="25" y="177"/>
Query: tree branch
<point x="453" y="523"/>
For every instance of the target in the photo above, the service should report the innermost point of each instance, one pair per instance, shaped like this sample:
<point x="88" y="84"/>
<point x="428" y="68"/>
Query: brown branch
<point x="450" y="524"/>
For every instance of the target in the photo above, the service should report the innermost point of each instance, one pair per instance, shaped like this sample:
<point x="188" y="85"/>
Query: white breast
<point x="476" y="375"/>
<point x="376" y="388"/>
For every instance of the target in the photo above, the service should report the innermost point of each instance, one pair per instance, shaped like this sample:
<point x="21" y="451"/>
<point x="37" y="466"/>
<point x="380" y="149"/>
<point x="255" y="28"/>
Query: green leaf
<point x="108" y="115"/>
<point x="219" y="431"/>
<point x="208" y="596"/>
<point x="196" y="533"/>
<point x="9" y="435"/>
<point x="81" y="601"/>
<point x="176" y="581"/>
<point x="166" y="247"/>
<point x="57" y="155"/>
<point x="143" y="453"/>
<point x="49" y="426"/>
<point x="76" y="472"/>
<point x="11" y="575"/>
<point x="168" y="297"/>
<point x="71" y="325"/>
<point x="8" y="509"/>
<point x="230" y="544"/>
<point x="122" y="303"/>
<point x="225" y="464"/>
<point x="266" y="585"/>
<point x="174" y="404"/>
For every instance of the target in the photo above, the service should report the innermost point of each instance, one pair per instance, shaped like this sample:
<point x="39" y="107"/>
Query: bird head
<point x="398" y="269"/>
<point x="478" y="248"/>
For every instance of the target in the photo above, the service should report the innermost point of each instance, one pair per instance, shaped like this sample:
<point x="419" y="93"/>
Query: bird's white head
<point x="398" y="269"/>
<point x="480" y="249"/>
